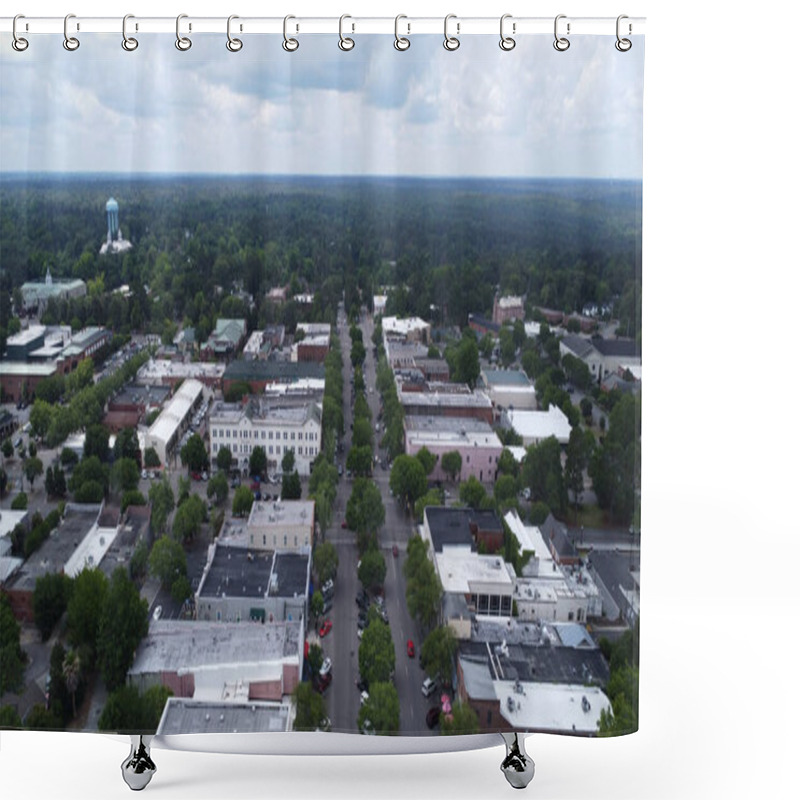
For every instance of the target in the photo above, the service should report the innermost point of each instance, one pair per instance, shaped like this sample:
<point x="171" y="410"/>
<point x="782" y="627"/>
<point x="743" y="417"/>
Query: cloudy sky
<point x="476" y="111"/>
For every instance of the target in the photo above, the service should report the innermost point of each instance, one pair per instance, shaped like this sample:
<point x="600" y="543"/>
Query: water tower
<point x="112" y="215"/>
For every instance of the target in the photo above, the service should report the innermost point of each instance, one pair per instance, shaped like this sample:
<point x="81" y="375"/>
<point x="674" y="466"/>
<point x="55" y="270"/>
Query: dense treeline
<point x="563" y="243"/>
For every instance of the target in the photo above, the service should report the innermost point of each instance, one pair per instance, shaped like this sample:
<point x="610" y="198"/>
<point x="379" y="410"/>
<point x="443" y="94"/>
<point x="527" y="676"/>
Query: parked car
<point x="428" y="687"/>
<point x="364" y="697"/>
<point x="325" y="628"/>
<point x="157" y="613"/>
<point x="395" y="551"/>
<point x="322" y="682"/>
<point x="326" y="666"/>
<point x="432" y="717"/>
<point x="410" y="648"/>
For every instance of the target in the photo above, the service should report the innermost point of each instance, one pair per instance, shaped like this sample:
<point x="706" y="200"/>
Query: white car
<point x="157" y="613"/>
<point x="326" y="666"/>
<point x="364" y="697"/>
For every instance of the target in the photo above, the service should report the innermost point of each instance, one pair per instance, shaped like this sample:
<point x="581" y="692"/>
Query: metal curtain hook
<point x="18" y="42"/>
<point x="183" y="43"/>
<point x="289" y="45"/>
<point x="561" y="43"/>
<point x="70" y="42"/>
<point x="234" y="45"/>
<point x="128" y="42"/>
<point x="450" y="42"/>
<point x="400" y="42"/>
<point x="345" y="42"/>
<point x="506" y="42"/>
<point x="623" y="45"/>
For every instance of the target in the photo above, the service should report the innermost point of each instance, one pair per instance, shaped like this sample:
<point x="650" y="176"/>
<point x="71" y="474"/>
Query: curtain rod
<point x="188" y="25"/>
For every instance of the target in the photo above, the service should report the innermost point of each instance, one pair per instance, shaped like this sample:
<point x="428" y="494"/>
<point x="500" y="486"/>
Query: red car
<point x="325" y="628"/>
<point x="395" y="551"/>
<point x="410" y="648"/>
<point x="344" y="523"/>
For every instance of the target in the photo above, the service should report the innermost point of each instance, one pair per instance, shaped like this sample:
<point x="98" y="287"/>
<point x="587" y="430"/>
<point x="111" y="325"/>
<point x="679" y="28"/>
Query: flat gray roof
<point x="173" y="645"/>
<point x="238" y="572"/>
<point x="182" y="715"/>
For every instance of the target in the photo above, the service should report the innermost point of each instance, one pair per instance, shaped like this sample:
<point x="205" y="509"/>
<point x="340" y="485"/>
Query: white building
<point x="536" y="426"/>
<point x="509" y="388"/>
<point x="165" y="433"/>
<point x="547" y="591"/>
<point x="411" y="328"/>
<point x="277" y="428"/>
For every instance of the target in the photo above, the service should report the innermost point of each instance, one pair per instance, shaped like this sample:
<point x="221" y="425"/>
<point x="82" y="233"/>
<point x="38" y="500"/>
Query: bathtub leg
<point x="138" y="768"/>
<point x="517" y="766"/>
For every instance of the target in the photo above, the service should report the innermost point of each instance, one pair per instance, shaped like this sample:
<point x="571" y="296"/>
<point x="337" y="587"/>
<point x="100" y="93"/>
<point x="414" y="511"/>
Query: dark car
<point x="322" y="682"/>
<point x="362" y="685"/>
<point x="432" y="717"/>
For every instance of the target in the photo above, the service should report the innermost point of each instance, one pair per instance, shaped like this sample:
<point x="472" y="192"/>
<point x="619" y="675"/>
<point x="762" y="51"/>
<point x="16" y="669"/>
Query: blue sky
<point x="477" y="111"/>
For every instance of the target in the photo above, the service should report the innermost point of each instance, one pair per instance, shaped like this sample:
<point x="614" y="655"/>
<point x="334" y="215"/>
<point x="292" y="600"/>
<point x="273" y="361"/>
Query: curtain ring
<point x="128" y="42"/>
<point x="400" y="42"/>
<point x="561" y="43"/>
<point x="70" y="42"/>
<point x="623" y="45"/>
<point x="345" y="42"/>
<point x="183" y="43"/>
<point x="18" y="43"/>
<point x="450" y="42"/>
<point x="289" y="45"/>
<point x="234" y="45"/>
<point x="506" y="42"/>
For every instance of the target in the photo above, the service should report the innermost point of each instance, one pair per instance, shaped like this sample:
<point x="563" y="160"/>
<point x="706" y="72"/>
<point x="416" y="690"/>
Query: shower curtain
<point x="321" y="381"/>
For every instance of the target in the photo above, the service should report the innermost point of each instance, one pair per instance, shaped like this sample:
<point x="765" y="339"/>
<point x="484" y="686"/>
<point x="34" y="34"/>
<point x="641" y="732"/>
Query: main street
<point x="341" y="644"/>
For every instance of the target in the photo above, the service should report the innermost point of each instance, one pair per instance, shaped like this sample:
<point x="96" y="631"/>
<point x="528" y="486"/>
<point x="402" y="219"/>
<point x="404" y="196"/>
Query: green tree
<point x="505" y="492"/>
<point x="579" y="452"/>
<point x="507" y="464"/>
<point x="372" y="571"/>
<point x="40" y="719"/>
<point x="217" y="489"/>
<point x="151" y="459"/>
<point x="326" y="561"/>
<point x="167" y="561"/>
<point x="433" y="497"/>
<point x="40" y="417"/>
<point x="96" y="443"/>
<point x="188" y="519"/>
<point x="472" y="493"/>
<point x="9" y="717"/>
<point x="123" y="623"/>
<point x="427" y="459"/>
<point x="90" y="469"/>
<point x="72" y="672"/>
<point x="20" y="502"/>
<point x="124" y="476"/>
<point x="258" y="462"/>
<point x="315" y="658"/>
<point x="461" y="721"/>
<point x="407" y="479"/>
<point x="193" y="454"/>
<point x="126" y="711"/>
<point x="310" y="712"/>
<point x="438" y="651"/>
<point x="362" y="433"/>
<point x="55" y="481"/>
<point x="468" y="366"/>
<point x="32" y="468"/>
<point x="224" y="458"/>
<point x="8" y="448"/>
<point x="317" y="604"/>
<point x="359" y="460"/>
<point x="376" y="658"/>
<point x="365" y="510"/>
<point x="12" y="656"/>
<point x="50" y="598"/>
<point x="133" y="497"/>
<point x="287" y="462"/>
<point x="382" y="709"/>
<point x="127" y="446"/>
<point x="542" y="472"/>
<point x="162" y="502"/>
<point x="242" y="501"/>
<point x="291" y="487"/>
<point x="424" y="593"/>
<point x="451" y="464"/>
<point x="88" y="598"/>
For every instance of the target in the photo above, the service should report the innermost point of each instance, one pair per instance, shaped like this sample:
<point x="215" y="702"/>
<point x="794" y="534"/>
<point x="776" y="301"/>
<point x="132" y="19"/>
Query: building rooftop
<point x="41" y="369"/>
<point x="176" y="410"/>
<point x="273" y="371"/>
<point x="138" y="394"/>
<point x="182" y="715"/>
<point x="156" y="370"/>
<point x="236" y="571"/>
<point x="539" y="425"/>
<point x="439" y="398"/>
<point x="58" y="548"/>
<point x="95" y="545"/>
<point x="83" y="339"/>
<point x="405" y="326"/>
<point x="282" y="513"/>
<point x="263" y="409"/>
<point x="26" y="336"/>
<point x="133" y="527"/>
<point x="464" y="572"/>
<point x="494" y="378"/>
<point x="454" y="435"/>
<point x="455" y="527"/>
<point x="173" y="645"/>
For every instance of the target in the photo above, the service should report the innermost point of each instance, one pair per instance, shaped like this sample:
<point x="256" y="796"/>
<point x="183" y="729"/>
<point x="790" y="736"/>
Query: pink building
<point x="474" y="439"/>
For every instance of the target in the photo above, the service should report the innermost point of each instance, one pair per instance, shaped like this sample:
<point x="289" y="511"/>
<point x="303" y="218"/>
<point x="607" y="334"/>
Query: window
<point x="292" y="435"/>
<point x="285" y="537"/>
<point x="270" y="449"/>
<point x="270" y="435"/>
<point x="285" y="436"/>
